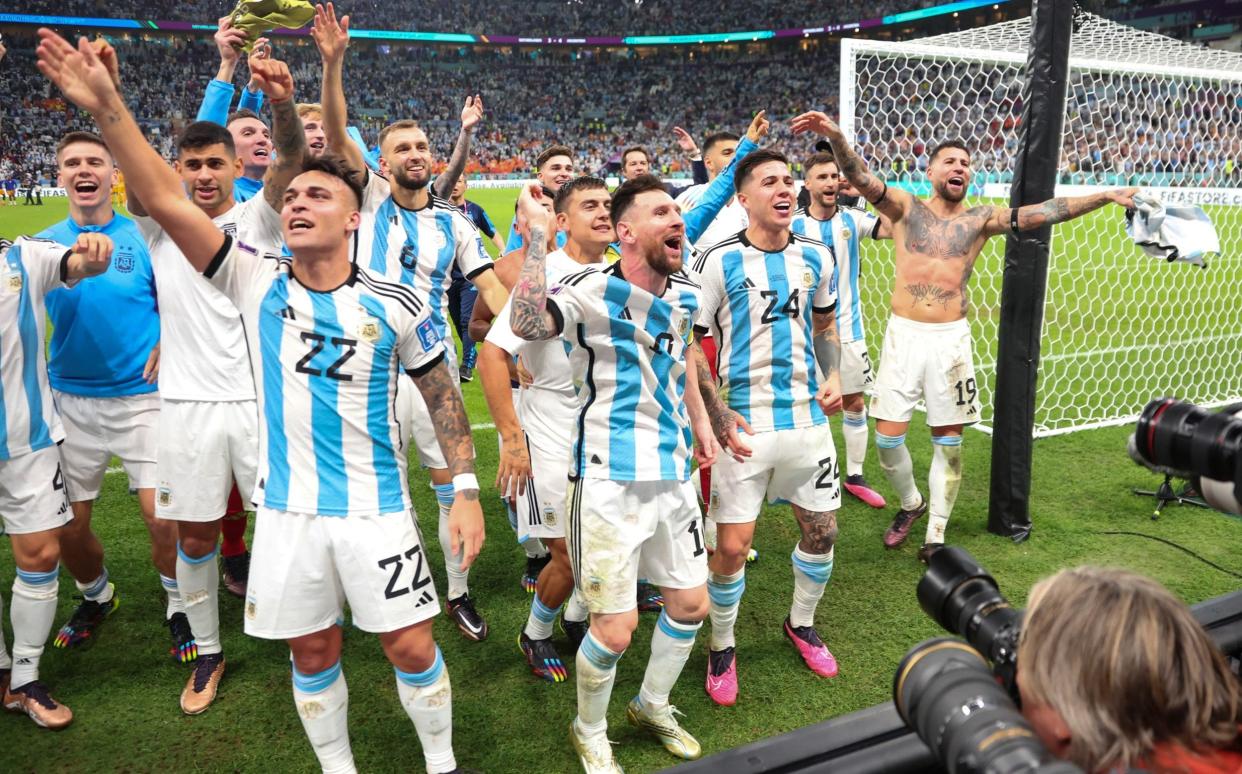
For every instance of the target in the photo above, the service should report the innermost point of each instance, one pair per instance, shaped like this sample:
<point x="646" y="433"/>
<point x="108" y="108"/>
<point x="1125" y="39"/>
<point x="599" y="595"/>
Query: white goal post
<point x="1120" y="328"/>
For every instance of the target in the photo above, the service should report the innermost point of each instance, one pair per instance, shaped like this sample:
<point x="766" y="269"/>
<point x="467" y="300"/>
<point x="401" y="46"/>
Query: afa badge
<point x="427" y="335"/>
<point x="549" y="515"/>
<point x="808" y="279"/>
<point x="846" y="234"/>
<point x="165" y="496"/>
<point x="683" y="326"/>
<point x="13" y="281"/>
<point x="368" y="329"/>
<point x="123" y="262"/>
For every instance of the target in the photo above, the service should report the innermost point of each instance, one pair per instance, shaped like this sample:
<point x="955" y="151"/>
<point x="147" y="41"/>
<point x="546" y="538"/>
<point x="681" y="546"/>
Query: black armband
<point x="876" y="202"/>
<point x="1013" y="221"/>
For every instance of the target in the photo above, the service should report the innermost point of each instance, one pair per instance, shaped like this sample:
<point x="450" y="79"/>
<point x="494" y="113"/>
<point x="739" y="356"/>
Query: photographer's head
<point x="1114" y="671"/>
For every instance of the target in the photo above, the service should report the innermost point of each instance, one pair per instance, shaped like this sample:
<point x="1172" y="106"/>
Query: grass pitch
<point x="124" y="690"/>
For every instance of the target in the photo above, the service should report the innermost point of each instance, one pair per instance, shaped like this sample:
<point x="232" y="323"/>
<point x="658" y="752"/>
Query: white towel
<point x="1175" y="232"/>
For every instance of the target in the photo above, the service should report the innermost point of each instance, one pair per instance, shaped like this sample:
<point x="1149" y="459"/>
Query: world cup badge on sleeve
<point x="427" y="335"/>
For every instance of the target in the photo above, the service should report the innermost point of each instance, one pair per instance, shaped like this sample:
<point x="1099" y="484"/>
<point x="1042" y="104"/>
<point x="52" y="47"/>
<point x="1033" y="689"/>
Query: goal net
<point x="1120" y="328"/>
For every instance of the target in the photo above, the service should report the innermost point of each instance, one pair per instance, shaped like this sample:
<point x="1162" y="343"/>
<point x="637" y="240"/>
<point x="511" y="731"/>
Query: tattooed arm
<point x="471" y="114"/>
<point x="724" y="420"/>
<point x="706" y="448"/>
<point x="1056" y="210"/>
<point x="888" y="201"/>
<point x="531" y="319"/>
<point x="438" y="386"/>
<point x="274" y="80"/>
<point x="828" y="354"/>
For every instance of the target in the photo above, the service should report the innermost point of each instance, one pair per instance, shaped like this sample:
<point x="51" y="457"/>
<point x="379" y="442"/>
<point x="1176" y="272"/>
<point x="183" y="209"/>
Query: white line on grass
<point x="1130" y="348"/>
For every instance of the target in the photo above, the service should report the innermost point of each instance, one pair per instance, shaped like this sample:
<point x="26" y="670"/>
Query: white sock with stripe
<point x="725" y="594"/>
<point x="575" y="608"/>
<point x="671" y="643"/>
<point x="33" y="609"/>
<point x="322" y="700"/>
<point x="539" y="622"/>
<point x="5" y="661"/>
<point x="943" y="481"/>
<point x="198" y="578"/>
<point x="596" y="666"/>
<point x="98" y="590"/>
<point x="811" y="573"/>
<point x="534" y="547"/>
<point x="854" y="428"/>
<point x="898" y="468"/>
<point x="458" y="579"/>
<point x="173" y="591"/>
<point x="428" y="699"/>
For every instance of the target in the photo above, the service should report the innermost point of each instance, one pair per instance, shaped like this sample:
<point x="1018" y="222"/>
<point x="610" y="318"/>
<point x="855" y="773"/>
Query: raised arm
<point x="721" y="190"/>
<point x="84" y="79"/>
<point x="531" y="319"/>
<point x="273" y="78"/>
<point x="332" y="38"/>
<point x="889" y="202"/>
<point x="471" y="115"/>
<point x="1056" y="210"/>
<point x="252" y="93"/>
<point x="219" y="93"/>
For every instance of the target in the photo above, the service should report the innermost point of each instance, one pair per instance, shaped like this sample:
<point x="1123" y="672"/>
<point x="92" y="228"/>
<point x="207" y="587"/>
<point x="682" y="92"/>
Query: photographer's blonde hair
<point x="1127" y="667"/>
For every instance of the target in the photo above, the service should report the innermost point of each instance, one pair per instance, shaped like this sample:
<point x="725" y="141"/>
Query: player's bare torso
<point x="934" y="259"/>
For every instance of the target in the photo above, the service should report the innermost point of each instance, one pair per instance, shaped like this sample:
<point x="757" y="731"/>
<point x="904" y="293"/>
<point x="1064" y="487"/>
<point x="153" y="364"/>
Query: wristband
<point x="465" y="481"/>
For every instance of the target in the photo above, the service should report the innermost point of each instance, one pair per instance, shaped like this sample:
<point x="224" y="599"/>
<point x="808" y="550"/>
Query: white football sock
<point x="534" y="547"/>
<point x="323" y="705"/>
<point x="458" y="579"/>
<point x="854" y="428"/>
<point x="5" y="661"/>
<point x="539" y="622"/>
<point x="98" y="590"/>
<point x="597" y="670"/>
<point x="174" y="597"/>
<point x="709" y="533"/>
<point x="898" y="468"/>
<point x="725" y="594"/>
<point x="428" y="699"/>
<point x="33" y="608"/>
<point x="671" y="643"/>
<point x="943" y="480"/>
<point x="811" y="573"/>
<point x="575" y="608"/>
<point x="198" y="578"/>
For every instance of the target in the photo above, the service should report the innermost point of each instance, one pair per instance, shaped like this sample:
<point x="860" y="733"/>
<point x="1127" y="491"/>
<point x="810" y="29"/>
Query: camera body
<point x="1190" y="442"/>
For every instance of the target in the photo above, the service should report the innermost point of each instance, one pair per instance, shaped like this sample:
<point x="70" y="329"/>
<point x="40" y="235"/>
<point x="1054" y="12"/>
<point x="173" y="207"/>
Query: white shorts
<point x="549" y="423"/>
<point x="304" y="569"/>
<point x="856" y="374"/>
<point x="931" y="361"/>
<point x="32" y="492"/>
<point x="797" y="466"/>
<point x="203" y="448"/>
<point x="415" y="419"/>
<point x="98" y="428"/>
<point x="620" y="531"/>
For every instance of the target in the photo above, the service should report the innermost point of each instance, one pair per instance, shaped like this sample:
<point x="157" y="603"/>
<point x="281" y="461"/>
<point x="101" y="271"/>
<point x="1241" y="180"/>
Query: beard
<point x="942" y="190"/>
<point x="659" y="261"/>
<point x="409" y="183"/>
<point x="847" y="200"/>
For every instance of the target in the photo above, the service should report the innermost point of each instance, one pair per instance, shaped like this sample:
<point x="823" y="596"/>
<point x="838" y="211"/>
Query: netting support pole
<point x="1026" y="269"/>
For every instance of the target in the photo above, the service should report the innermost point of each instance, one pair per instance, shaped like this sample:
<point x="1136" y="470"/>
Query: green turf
<point x="124" y="690"/>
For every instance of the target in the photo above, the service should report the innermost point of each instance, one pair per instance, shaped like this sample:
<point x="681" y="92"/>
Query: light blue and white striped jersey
<point x="842" y="233"/>
<point x="758" y="305"/>
<point x="325" y="370"/>
<point x="418" y="247"/>
<point x="32" y="267"/>
<point x="628" y="351"/>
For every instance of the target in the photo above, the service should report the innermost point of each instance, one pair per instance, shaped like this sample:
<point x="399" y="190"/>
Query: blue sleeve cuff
<point x="216" y="100"/>
<point x="250" y="100"/>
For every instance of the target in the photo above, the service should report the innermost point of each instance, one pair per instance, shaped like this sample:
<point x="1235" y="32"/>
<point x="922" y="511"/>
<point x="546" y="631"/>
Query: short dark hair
<point x="203" y="134"/>
<point x="238" y="115"/>
<point x="550" y="151"/>
<point x="560" y="202"/>
<point x="73" y="137"/>
<point x="635" y="149"/>
<point x="945" y="145"/>
<point x="753" y="159"/>
<point x="396" y="126"/>
<point x="712" y="139"/>
<point x="624" y="196"/>
<point x="815" y="160"/>
<point x="336" y="167"/>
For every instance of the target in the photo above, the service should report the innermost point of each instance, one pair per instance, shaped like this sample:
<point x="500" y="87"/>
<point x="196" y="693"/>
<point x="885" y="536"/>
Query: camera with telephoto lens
<point x="965" y="711"/>
<point x="1190" y="442"/>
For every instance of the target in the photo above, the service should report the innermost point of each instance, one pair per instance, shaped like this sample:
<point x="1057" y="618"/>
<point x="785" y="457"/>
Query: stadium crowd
<point x="541" y="17"/>
<point x="600" y="102"/>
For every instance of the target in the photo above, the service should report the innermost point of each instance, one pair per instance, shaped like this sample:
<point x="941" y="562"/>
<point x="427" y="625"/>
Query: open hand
<point x="472" y="113"/>
<point x="107" y="55"/>
<point x="78" y="72"/>
<point x="758" y="128"/>
<point x="816" y="122"/>
<point x="273" y="78"/>
<point x="685" y="141"/>
<point x="331" y="36"/>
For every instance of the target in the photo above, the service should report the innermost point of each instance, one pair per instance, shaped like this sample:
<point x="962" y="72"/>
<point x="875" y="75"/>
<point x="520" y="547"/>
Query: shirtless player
<point x="927" y="348"/>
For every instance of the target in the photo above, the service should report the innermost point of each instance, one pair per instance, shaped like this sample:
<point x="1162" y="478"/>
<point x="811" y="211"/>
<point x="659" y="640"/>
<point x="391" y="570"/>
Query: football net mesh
<point x="1120" y="328"/>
